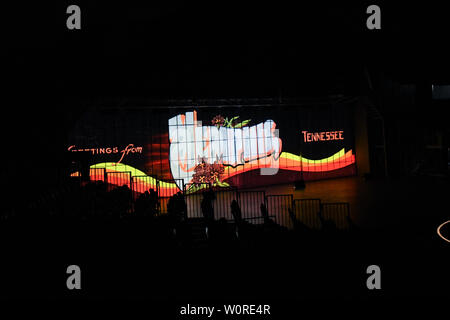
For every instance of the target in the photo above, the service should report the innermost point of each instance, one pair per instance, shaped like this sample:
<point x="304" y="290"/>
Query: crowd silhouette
<point x="97" y="201"/>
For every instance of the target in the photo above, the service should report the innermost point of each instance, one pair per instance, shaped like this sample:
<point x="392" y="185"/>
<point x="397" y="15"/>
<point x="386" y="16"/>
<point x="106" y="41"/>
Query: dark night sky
<point x="232" y="49"/>
<point x="185" y="49"/>
<point x="219" y="49"/>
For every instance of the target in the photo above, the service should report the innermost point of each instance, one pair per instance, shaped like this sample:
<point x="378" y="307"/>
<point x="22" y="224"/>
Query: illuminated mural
<point x="222" y="147"/>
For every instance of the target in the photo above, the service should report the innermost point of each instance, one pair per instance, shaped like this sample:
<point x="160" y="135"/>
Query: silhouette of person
<point x="265" y="214"/>
<point x="208" y="210"/>
<point x="236" y="212"/>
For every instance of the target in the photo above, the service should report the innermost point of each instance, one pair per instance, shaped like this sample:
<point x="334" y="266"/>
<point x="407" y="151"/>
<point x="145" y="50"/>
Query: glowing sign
<point x="191" y="143"/>
<point x="322" y="136"/>
<point x="110" y="150"/>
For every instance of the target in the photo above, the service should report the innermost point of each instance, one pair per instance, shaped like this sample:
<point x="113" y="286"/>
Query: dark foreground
<point x="293" y="270"/>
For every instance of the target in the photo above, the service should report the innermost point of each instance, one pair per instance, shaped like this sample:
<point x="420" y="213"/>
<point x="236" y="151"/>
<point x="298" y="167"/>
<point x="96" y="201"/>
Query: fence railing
<point x="338" y="212"/>
<point x="283" y="209"/>
<point x="141" y="184"/>
<point x="163" y="201"/>
<point x="194" y="205"/>
<point x="97" y="174"/>
<point x="250" y="204"/>
<point x="114" y="179"/>
<point x="167" y="188"/>
<point x="279" y="206"/>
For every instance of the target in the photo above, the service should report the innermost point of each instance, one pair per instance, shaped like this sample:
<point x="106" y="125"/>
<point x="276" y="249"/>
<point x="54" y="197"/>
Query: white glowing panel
<point x="190" y="142"/>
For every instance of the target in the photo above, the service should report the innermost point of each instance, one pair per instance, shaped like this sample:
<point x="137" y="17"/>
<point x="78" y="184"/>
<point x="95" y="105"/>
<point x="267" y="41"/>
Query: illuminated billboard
<point x="182" y="148"/>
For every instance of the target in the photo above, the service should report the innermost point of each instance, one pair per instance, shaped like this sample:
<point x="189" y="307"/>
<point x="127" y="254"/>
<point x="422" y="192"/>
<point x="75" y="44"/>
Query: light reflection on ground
<point x="439" y="231"/>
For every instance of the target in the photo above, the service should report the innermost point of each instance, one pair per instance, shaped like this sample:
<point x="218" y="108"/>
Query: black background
<point x="201" y="50"/>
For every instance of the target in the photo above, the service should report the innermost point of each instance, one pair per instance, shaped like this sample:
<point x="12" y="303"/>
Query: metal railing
<point x="97" y="174"/>
<point x="278" y="207"/>
<point x="250" y="204"/>
<point x="222" y="204"/>
<point x="115" y="179"/>
<point x="338" y="212"/>
<point x="141" y="184"/>
<point x="282" y="209"/>
<point x="307" y="212"/>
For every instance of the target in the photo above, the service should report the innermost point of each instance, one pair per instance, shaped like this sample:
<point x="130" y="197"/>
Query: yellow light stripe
<point x="118" y="167"/>
<point x="291" y="156"/>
